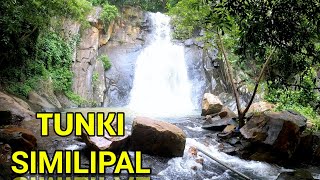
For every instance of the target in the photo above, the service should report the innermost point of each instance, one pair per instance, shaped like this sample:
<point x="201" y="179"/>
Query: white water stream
<point x="161" y="86"/>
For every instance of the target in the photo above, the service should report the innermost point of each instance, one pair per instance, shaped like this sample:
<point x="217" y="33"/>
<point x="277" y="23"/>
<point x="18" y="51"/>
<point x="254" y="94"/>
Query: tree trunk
<point x="241" y="114"/>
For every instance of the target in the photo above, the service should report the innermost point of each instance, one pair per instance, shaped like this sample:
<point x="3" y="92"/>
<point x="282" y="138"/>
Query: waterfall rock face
<point x="86" y="65"/>
<point x="127" y="40"/>
<point x="157" y="137"/>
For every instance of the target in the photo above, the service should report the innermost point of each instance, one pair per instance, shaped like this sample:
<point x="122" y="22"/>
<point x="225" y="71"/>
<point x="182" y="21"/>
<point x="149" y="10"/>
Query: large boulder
<point x="13" y="110"/>
<point x="19" y="139"/>
<point x="279" y="130"/>
<point x="157" y="137"/>
<point x="211" y="104"/>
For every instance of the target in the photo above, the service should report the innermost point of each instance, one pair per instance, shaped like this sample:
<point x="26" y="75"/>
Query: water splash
<point x="161" y="86"/>
<point x="180" y="168"/>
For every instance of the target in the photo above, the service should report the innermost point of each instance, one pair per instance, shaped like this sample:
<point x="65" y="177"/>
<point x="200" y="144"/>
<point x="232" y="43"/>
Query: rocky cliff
<point x="91" y="82"/>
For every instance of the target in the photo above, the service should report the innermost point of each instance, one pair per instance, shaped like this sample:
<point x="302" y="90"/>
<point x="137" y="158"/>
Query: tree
<point x="21" y="22"/>
<point x="274" y="33"/>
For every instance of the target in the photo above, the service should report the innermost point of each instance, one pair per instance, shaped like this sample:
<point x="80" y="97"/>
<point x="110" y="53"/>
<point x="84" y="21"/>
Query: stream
<point x="163" y="89"/>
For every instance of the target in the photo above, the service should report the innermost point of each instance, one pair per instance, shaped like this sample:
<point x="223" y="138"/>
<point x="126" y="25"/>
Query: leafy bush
<point x="295" y="100"/>
<point x="95" y="78"/>
<point x="106" y="62"/>
<point x="147" y="5"/>
<point x="109" y="13"/>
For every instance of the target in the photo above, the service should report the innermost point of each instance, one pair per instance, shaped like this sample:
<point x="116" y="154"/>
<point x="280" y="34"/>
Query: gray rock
<point x="188" y="42"/>
<point x="38" y="100"/>
<point x="211" y="104"/>
<point x="280" y="130"/>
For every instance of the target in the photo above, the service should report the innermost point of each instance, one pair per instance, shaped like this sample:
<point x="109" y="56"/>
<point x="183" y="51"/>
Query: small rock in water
<point x="200" y="161"/>
<point x="193" y="151"/>
<point x="229" y="128"/>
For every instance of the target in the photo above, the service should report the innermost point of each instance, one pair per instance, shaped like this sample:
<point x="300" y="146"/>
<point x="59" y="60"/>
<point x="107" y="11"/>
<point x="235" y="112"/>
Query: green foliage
<point x="98" y="2"/>
<point x="95" y="78"/>
<point x="106" y="62"/>
<point x="289" y="26"/>
<point x="302" y="98"/>
<point x="252" y="29"/>
<point x="109" y="13"/>
<point x="30" y="51"/>
<point x="307" y="111"/>
<point x="53" y="51"/>
<point x="22" y="21"/>
<point x="75" y="98"/>
<point x="187" y="17"/>
<point x="147" y="5"/>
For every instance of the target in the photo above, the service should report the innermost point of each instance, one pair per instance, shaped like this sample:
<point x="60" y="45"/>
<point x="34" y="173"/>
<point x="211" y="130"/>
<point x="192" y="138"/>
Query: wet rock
<point x="280" y="130"/>
<point x="211" y="104"/>
<point x="227" y="113"/>
<point x="308" y="150"/>
<point x="157" y="137"/>
<point x="229" y="128"/>
<point x="188" y="42"/>
<point x="227" y="148"/>
<point x="193" y="151"/>
<point x="99" y="86"/>
<point x="200" y="160"/>
<point x="5" y="153"/>
<point x="265" y="156"/>
<point x="42" y="102"/>
<point x="296" y="175"/>
<point x="220" y="124"/>
<point x="6" y="172"/>
<point x="13" y="110"/>
<point x="208" y="118"/>
<point x="114" y="144"/>
<point x="19" y="139"/>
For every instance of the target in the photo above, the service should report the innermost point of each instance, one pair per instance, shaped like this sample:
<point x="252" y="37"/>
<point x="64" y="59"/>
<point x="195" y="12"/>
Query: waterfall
<point x="161" y="85"/>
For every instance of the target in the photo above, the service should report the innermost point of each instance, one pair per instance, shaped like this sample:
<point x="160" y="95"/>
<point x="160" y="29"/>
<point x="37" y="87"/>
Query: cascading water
<point x="161" y="85"/>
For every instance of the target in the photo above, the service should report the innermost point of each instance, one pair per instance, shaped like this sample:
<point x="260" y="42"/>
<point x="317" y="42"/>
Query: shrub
<point x="106" y="62"/>
<point x="109" y="13"/>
